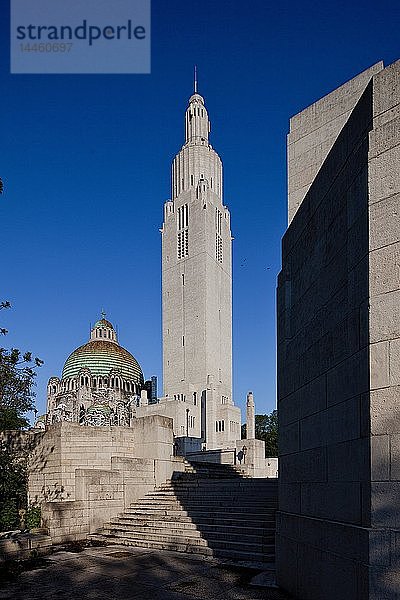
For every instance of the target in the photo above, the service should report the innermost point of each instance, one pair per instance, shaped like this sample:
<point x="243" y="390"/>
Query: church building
<point x="101" y="382"/>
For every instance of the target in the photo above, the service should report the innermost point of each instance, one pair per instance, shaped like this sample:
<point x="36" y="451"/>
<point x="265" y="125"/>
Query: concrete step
<point x="220" y="486"/>
<point x="238" y="555"/>
<point x="191" y="500"/>
<point x="198" y="515"/>
<point x="226" y="554"/>
<point x="202" y="474"/>
<point x="157" y="537"/>
<point x="209" y="509"/>
<point x="212" y="495"/>
<point x="203" y="508"/>
<point x="204" y="493"/>
<point x="210" y="538"/>
<point x="220" y="528"/>
<point x="141" y="543"/>
<point x="195" y="515"/>
<point x="178" y="478"/>
<point x="152" y="528"/>
<point x="208" y="521"/>
<point x="179" y="539"/>
<point x="241" y="530"/>
<point x="228" y="503"/>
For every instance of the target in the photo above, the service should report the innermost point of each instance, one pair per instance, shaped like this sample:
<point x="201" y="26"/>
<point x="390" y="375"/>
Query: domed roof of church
<point x="101" y="354"/>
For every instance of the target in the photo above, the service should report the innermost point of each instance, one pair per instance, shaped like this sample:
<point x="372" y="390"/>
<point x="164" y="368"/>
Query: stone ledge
<point x="21" y="546"/>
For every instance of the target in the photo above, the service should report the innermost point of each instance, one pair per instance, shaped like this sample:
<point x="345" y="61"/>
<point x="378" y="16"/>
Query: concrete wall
<point x="83" y="476"/>
<point x="384" y="330"/>
<point x="338" y="367"/>
<point x="314" y="131"/>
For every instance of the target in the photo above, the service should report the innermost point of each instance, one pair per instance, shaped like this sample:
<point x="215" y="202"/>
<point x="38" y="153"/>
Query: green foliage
<point x="16" y="381"/>
<point x="9" y="517"/>
<point x="267" y="430"/>
<point x="17" y="373"/>
<point x="13" y="484"/>
<point x="33" y="517"/>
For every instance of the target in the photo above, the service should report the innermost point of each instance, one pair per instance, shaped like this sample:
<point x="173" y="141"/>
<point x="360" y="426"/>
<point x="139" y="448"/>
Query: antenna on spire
<point x="195" y="79"/>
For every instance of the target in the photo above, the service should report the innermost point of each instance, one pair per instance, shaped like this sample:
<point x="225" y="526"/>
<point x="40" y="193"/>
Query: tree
<point x="267" y="430"/>
<point x="17" y="373"/>
<point x="16" y="382"/>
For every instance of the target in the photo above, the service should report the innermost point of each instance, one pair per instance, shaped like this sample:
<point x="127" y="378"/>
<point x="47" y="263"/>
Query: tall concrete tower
<point x="197" y="285"/>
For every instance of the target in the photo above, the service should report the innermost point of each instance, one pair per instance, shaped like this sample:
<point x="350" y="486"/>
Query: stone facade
<point x="338" y="346"/>
<point x="83" y="476"/>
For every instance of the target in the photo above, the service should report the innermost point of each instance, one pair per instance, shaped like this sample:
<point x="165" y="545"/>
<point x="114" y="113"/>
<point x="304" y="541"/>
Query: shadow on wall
<point x="16" y="448"/>
<point x="338" y="434"/>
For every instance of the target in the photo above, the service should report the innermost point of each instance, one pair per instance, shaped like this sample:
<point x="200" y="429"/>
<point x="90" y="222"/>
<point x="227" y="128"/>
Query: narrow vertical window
<point x="218" y="248"/>
<point x="183" y="234"/>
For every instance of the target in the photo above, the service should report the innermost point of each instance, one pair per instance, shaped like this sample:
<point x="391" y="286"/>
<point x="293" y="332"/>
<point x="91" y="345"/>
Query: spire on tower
<point x="195" y="79"/>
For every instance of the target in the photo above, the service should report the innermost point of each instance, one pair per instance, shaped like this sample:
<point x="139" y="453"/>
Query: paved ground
<point x="123" y="573"/>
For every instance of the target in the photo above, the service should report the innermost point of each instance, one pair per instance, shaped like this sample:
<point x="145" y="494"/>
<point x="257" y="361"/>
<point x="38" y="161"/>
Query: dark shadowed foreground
<point x="118" y="572"/>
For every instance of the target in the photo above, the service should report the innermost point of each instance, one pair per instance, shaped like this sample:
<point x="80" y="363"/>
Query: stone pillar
<point x="250" y="417"/>
<point x="143" y="398"/>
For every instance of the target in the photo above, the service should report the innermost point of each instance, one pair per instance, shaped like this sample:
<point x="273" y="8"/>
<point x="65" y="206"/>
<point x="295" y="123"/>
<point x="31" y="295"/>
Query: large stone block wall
<point x="313" y="133"/>
<point x="384" y="329"/>
<point x="338" y="367"/>
<point x="82" y="476"/>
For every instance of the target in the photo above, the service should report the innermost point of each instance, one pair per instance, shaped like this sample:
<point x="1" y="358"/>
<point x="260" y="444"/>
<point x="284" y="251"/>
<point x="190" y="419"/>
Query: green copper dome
<point x="100" y="356"/>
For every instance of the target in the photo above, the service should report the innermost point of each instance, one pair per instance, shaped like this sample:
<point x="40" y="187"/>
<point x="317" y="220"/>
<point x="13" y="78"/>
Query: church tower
<point x="197" y="285"/>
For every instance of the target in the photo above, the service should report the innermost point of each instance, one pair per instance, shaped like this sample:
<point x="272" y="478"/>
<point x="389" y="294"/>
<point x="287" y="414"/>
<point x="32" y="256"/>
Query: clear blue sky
<point x="86" y="165"/>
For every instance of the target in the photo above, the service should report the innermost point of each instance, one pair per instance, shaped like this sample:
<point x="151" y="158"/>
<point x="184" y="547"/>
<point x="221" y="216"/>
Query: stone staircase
<point x="213" y="510"/>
